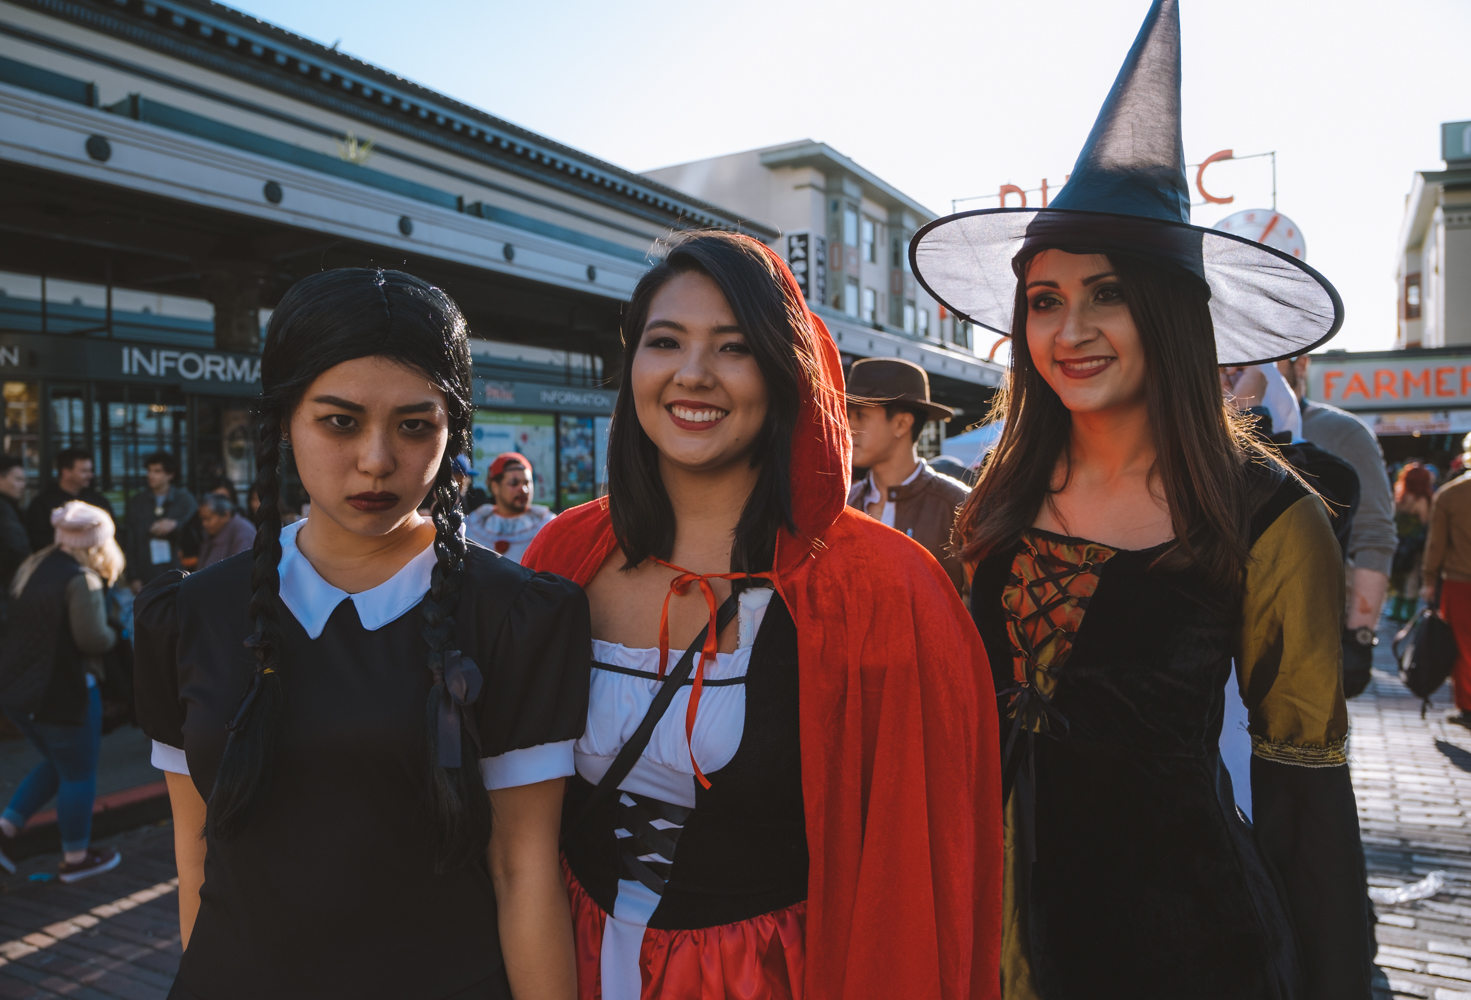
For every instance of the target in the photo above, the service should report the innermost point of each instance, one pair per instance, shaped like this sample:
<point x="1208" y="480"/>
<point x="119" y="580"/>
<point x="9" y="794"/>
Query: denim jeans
<point x="68" y="772"/>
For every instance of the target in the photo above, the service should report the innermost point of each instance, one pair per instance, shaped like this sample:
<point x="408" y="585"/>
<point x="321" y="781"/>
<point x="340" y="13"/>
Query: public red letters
<point x="1397" y="382"/>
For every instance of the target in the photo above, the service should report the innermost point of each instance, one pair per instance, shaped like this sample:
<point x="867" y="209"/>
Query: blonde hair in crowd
<point x="106" y="560"/>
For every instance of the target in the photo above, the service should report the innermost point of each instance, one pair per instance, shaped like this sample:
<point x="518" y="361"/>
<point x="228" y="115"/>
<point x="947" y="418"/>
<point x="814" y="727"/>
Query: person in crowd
<point x="15" y="545"/>
<point x="1414" y="494"/>
<point x="1131" y="537"/>
<point x="510" y="523"/>
<point x="74" y="471"/>
<point x="226" y="533"/>
<point x="153" y="519"/>
<point x="1263" y="392"/>
<point x="807" y="801"/>
<point x="333" y="829"/>
<point x="50" y="668"/>
<point x="1445" y="572"/>
<point x="192" y="534"/>
<point x="1373" y="541"/>
<point x="888" y="405"/>
<point x="474" y="496"/>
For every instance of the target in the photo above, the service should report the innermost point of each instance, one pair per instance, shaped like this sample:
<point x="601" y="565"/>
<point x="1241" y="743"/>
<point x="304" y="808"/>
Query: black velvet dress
<point x="1130" y="871"/>
<point x="331" y="888"/>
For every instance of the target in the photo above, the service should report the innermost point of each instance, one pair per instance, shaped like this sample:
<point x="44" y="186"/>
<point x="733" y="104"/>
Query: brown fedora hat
<point x="880" y="381"/>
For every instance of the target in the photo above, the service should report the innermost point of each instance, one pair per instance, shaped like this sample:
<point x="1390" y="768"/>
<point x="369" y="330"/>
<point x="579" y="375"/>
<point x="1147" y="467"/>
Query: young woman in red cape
<point x="816" y="812"/>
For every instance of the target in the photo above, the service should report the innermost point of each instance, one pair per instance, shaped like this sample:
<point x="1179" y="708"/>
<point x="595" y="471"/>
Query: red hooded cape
<point x="900" y="777"/>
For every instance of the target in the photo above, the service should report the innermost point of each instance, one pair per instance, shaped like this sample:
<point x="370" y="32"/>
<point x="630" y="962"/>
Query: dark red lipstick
<point x="374" y="502"/>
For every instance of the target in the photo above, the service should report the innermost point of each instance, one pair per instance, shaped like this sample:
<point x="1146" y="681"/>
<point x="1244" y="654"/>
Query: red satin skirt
<point x="757" y="959"/>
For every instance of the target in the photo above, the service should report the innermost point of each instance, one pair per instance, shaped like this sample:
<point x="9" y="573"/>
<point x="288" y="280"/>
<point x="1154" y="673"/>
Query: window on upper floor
<point x="1412" y="296"/>
<point x="923" y="323"/>
<point x="850" y="226"/>
<point x="896" y="253"/>
<point x="909" y="317"/>
<point x="870" y="241"/>
<point x="870" y="305"/>
<point x="850" y="298"/>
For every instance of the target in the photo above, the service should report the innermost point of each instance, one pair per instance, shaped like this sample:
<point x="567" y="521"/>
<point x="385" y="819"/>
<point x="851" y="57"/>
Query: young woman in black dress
<point x="366" y="722"/>
<point x="1130" y="539"/>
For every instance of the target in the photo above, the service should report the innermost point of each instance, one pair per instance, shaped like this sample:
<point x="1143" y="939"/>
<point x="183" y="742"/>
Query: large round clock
<point x="1267" y="227"/>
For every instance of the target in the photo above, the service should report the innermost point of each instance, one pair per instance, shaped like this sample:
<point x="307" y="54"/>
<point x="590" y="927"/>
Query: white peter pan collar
<point x="311" y="600"/>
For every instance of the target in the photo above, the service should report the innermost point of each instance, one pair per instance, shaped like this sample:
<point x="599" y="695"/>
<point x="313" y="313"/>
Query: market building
<point x="168" y="169"/>
<point x="1416" y="401"/>
<point x="846" y="234"/>
<point x="1434" y="268"/>
<point x="1417" y="397"/>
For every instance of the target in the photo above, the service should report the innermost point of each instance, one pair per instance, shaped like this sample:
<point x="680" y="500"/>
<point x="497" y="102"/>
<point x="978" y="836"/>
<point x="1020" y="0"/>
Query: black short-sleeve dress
<point x="330" y="891"/>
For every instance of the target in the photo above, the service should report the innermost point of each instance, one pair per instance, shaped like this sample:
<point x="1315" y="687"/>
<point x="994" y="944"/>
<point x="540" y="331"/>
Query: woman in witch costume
<point x="805" y="802"/>
<point x="365" y="722"/>
<point x="1129" y="539"/>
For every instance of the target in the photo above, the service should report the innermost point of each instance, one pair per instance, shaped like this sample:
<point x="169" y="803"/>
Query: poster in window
<point x="532" y="434"/>
<point x="576" y="457"/>
<point x="600" y="427"/>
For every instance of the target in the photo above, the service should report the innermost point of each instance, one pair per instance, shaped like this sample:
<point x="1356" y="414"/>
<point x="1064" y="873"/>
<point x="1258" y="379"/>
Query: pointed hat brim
<point x="1265" y="305"/>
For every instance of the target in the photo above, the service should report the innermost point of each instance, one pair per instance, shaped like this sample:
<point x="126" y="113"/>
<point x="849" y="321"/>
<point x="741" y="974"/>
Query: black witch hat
<point x="1128" y="194"/>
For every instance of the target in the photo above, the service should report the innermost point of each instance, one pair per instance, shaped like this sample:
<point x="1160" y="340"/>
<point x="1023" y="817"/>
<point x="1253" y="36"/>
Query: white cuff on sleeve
<point x="526" y="767"/>
<point x="167" y="758"/>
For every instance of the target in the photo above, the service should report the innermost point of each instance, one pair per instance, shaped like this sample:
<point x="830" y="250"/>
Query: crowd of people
<point x="787" y="713"/>
<point x="65" y="668"/>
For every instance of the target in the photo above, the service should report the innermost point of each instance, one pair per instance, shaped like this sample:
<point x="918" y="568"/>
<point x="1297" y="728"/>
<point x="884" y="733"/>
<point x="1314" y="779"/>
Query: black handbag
<point x="1426" y="650"/>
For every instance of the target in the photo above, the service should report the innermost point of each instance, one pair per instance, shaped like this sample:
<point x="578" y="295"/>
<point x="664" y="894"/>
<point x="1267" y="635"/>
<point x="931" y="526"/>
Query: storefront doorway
<point x="122" y="424"/>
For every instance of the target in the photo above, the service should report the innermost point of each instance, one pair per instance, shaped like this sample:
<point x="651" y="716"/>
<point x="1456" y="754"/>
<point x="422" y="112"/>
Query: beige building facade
<point x="1434" y="267"/>
<point x="846" y="234"/>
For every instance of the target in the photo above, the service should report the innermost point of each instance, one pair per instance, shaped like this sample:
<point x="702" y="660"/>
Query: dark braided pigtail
<point x="458" y="804"/>
<point x="325" y="320"/>
<point x="255" y="732"/>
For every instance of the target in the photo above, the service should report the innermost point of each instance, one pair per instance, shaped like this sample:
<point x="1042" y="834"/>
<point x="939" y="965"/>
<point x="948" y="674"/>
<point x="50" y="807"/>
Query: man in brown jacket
<point x="888" y="405"/>
<point x="1446" y="569"/>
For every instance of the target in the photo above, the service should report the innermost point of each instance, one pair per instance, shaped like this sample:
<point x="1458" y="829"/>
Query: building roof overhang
<point x="224" y="40"/>
<point x="1421" y="202"/>
<point x="821" y="156"/>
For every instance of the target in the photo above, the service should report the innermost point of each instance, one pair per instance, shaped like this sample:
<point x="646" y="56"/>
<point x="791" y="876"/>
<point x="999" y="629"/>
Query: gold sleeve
<point x="1290" y="665"/>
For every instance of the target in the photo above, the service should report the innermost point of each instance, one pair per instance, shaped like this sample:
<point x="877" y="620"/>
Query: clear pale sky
<point x="948" y="99"/>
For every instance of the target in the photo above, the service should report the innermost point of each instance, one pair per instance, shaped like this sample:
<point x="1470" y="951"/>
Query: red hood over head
<point x="822" y="449"/>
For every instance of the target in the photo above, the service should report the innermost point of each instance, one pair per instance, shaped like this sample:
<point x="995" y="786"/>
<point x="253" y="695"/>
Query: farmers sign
<point x="1391" y="380"/>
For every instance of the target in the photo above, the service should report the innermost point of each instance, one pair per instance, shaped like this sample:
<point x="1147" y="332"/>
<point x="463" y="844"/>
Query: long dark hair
<point x="769" y="316"/>
<point x="1201" y="445"/>
<point x="323" y="321"/>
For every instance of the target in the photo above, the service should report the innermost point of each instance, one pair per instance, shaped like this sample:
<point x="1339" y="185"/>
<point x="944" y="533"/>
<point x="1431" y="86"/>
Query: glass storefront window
<point x="532" y="434"/>
<point x="23" y="429"/>
<point x="600" y="427"/>
<point x="123" y="424"/>
<point x="134" y="423"/>
<point x="576" y="469"/>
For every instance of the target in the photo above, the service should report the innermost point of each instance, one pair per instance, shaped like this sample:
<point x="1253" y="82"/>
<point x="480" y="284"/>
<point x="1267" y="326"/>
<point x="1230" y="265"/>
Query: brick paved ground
<point x="90" y="940"/>
<point x="1413" y="782"/>
<point x="1412" y="776"/>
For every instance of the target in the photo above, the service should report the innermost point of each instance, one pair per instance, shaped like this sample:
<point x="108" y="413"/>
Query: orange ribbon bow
<point x="680" y="585"/>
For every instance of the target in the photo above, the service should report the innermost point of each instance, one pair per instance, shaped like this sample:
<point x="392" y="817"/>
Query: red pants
<point x="1455" y="608"/>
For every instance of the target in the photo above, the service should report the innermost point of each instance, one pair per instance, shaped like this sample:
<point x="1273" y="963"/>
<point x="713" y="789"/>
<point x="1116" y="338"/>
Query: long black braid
<point x="457" y="797"/>
<point x="255" y="733"/>
<point x="323" y="321"/>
